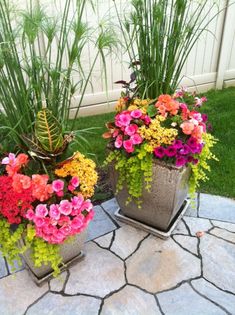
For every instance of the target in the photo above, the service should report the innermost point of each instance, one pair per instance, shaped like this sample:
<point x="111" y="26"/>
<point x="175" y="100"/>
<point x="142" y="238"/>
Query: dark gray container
<point x="161" y="205"/>
<point x="69" y="251"/>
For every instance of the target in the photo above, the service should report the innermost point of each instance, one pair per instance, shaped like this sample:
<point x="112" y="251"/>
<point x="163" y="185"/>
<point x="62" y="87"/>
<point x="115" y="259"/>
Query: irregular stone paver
<point x="218" y="257"/>
<point x="217" y="208"/>
<point x="100" y="273"/>
<point x="185" y="301"/>
<point x="3" y="268"/>
<point x="226" y="235"/>
<point x="17" y="292"/>
<point x="197" y="225"/>
<point x="57" y="284"/>
<point x="188" y="242"/>
<point x="130" y="301"/>
<point x="192" y="209"/>
<point x="224" y="299"/>
<point x="100" y="225"/>
<point x="180" y="229"/>
<point x="54" y="304"/>
<point x="126" y="240"/>
<point x="17" y="266"/>
<point x="111" y="206"/>
<point x="225" y="225"/>
<point x="161" y="264"/>
<point x="105" y="241"/>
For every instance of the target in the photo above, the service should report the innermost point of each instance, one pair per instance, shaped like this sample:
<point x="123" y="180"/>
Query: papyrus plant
<point x="159" y="36"/>
<point x="38" y="56"/>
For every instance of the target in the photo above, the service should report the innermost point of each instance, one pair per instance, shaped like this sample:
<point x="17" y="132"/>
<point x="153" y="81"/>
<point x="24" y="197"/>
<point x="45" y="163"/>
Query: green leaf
<point x="48" y="131"/>
<point x="152" y="111"/>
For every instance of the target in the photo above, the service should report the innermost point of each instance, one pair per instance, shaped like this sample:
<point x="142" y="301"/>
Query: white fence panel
<point x="210" y="64"/>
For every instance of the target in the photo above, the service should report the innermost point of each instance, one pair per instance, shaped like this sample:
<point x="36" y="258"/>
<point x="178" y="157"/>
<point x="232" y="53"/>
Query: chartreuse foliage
<point x="199" y="170"/>
<point x="42" y="252"/>
<point x="134" y="172"/>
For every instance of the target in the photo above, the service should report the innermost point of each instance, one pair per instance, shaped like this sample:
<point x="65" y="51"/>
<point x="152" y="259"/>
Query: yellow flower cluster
<point x="140" y="104"/>
<point x="121" y="105"/>
<point x="156" y="135"/>
<point x="82" y="167"/>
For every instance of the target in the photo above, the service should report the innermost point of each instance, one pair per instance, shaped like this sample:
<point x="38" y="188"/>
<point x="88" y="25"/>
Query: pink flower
<point x="87" y="205"/>
<point x="74" y="181"/>
<point x="65" y="207"/>
<point x="118" y="142"/>
<point x="128" y="145"/>
<point x="66" y="230"/>
<point x="136" y="139"/>
<point x="11" y="159"/>
<point x="71" y="188"/>
<point x="136" y="113"/>
<point x="54" y="212"/>
<point x="57" y="185"/>
<point x="77" y="222"/>
<point x="30" y="214"/>
<point x="39" y="222"/>
<point x="41" y="210"/>
<point x="131" y="129"/>
<point x="123" y="119"/>
<point x="77" y="201"/>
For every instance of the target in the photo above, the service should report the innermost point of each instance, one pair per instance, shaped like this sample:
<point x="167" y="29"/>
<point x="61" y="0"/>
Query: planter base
<point x="40" y="281"/>
<point x="162" y="234"/>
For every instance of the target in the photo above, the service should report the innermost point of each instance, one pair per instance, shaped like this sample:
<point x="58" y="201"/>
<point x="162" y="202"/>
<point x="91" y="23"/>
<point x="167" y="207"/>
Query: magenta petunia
<point x="178" y="144"/>
<point x="185" y="150"/>
<point x="180" y="161"/>
<point x="192" y="142"/>
<point x="171" y="151"/>
<point x="159" y="152"/>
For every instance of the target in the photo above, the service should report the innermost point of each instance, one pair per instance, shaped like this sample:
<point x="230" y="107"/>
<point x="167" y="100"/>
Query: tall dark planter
<point x="161" y="205"/>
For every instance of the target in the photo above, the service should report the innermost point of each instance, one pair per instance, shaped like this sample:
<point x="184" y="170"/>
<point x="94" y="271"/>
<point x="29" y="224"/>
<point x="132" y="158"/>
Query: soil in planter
<point x="103" y="190"/>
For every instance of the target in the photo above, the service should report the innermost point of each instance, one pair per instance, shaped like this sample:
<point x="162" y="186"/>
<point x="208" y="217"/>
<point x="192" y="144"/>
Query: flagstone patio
<point x="127" y="271"/>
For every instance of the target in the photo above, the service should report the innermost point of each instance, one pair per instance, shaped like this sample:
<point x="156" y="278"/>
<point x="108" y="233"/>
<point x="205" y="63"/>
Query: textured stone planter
<point x="70" y="252"/>
<point x="161" y="205"/>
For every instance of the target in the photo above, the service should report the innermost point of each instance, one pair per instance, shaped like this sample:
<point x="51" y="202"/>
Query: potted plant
<point x="158" y="149"/>
<point x="45" y="182"/>
<point x="159" y="141"/>
<point x="50" y="207"/>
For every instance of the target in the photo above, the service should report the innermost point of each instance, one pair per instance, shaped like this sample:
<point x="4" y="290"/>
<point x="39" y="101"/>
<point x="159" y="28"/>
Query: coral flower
<point x="187" y="127"/>
<point x="21" y="182"/>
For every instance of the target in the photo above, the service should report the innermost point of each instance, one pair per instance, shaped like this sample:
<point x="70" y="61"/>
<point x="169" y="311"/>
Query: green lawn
<point x="221" y="110"/>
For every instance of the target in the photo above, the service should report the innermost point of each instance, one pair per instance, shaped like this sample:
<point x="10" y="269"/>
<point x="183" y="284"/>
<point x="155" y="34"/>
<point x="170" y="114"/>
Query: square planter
<point x="69" y="251"/>
<point x="161" y="205"/>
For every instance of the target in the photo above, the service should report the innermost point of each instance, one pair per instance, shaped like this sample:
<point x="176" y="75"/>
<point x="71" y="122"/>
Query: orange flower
<point x="164" y="98"/>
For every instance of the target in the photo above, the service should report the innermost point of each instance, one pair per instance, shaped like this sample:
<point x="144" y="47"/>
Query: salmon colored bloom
<point x="21" y="182"/>
<point x="187" y="127"/>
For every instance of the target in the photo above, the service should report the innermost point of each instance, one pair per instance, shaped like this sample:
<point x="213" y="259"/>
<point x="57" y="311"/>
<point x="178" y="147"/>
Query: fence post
<point x="226" y="43"/>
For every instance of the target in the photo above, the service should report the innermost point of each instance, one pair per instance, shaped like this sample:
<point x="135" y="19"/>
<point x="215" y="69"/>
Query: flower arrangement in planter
<point x="149" y="135"/>
<point x="50" y="210"/>
<point x="159" y="141"/>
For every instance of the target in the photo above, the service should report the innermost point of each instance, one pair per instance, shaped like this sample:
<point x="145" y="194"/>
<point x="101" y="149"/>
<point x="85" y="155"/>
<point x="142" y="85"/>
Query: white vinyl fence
<point x="211" y="63"/>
